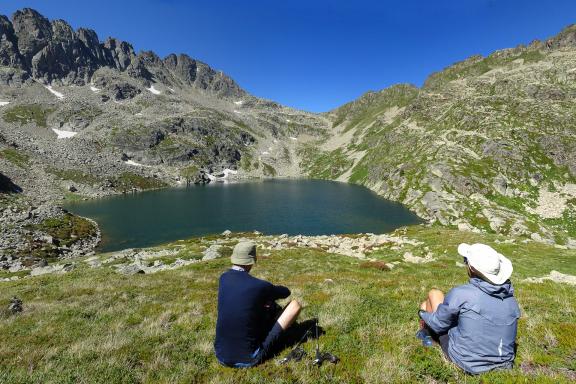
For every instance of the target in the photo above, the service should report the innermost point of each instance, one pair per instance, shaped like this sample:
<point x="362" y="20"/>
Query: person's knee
<point x="435" y="294"/>
<point x="423" y="305"/>
<point x="296" y="305"/>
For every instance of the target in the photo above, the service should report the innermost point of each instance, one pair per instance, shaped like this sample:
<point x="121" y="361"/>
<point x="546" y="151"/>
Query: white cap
<point x="483" y="258"/>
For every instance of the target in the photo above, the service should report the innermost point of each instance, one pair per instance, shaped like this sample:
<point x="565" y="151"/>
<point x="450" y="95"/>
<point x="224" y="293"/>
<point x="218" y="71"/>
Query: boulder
<point x="212" y="252"/>
<point x="61" y="268"/>
<point x="131" y="269"/>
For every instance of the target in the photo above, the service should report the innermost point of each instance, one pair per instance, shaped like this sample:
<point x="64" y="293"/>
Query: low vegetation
<point x="128" y="181"/>
<point x="29" y="113"/>
<point x="74" y="175"/>
<point x="93" y="325"/>
<point x="15" y="156"/>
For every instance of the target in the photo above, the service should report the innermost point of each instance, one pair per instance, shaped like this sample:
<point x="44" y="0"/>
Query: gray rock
<point x="15" y="305"/>
<point x="9" y="53"/>
<point x="50" y="269"/>
<point x="130" y="269"/>
<point x="33" y="31"/>
<point x="226" y="233"/>
<point x="212" y="252"/>
<point x="536" y="237"/>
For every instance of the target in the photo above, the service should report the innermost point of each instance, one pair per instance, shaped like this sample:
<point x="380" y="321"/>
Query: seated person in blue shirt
<point x="248" y="325"/>
<point x="476" y="323"/>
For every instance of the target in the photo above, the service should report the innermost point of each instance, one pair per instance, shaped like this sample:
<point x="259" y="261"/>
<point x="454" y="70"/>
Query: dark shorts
<point x="267" y="348"/>
<point x="261" y="353"/>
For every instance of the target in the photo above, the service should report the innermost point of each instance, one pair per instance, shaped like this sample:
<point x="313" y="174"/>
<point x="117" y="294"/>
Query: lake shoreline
<point x="306" y="197"/>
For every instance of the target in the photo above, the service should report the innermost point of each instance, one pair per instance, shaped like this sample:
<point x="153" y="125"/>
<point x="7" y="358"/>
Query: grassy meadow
<point x="97" y="326"/>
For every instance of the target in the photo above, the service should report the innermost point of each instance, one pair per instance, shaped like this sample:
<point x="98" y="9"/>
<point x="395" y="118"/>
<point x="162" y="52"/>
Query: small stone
<point x="15" y="305"/>
<point x="536" y="237"/>
<point x="131" y="269"/>
<point x="227" y="233"/>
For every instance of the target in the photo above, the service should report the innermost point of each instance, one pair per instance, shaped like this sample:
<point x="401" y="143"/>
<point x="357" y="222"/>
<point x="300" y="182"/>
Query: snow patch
<point x="293" y="138"/>
<point x="239" y="102"/>
<point x="55" y="93"/>
<point x="287" y="120"/>
<point x="3" y="103"/>
<point x="265" y="153"/>
<point x="171" y="90"/>
<point x="238" y="112"/>
<point x="64" y="134"/>
<point x="138" y="114"/>
<point x="94" y="89"/>
<point x="153" y="90"/>
<point x="131" y="162"/>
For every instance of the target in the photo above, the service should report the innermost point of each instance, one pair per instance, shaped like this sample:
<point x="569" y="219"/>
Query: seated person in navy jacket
<point x="248" y="327"/>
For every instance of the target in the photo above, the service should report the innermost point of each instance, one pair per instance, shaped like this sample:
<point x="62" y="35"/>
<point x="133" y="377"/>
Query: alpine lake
<point x="307" y="207"/>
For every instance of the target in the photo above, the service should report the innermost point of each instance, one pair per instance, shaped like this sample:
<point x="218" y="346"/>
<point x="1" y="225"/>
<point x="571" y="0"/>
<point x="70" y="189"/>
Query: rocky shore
<point x="398" y="247"/>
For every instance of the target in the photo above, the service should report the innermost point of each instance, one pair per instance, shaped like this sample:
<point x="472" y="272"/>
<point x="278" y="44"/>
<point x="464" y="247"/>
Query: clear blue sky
<point x="316" y="54"/>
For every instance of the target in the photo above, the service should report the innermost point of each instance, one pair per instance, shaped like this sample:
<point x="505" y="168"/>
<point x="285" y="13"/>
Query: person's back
<point x="476" y="323"/>
<point x="242" y="320"/>
<point x="484" y="337"/>
<point x="248" y="326"/>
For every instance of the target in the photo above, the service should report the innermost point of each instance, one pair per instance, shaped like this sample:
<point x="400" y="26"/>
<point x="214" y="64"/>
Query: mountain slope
<point x="84" y="118"/>
<point x="172" y="112"/>
<point x="486" y="144"/>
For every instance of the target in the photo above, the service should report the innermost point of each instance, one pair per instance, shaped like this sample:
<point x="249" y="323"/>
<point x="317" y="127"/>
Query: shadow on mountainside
<point x="7" y="186"/>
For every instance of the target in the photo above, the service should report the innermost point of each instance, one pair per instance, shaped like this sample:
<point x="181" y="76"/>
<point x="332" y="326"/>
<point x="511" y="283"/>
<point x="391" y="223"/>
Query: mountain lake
<point x="307" y="207"/>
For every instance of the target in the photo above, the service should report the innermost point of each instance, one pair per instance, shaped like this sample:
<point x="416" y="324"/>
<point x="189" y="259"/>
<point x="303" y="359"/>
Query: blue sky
<point x="316" y="55"/>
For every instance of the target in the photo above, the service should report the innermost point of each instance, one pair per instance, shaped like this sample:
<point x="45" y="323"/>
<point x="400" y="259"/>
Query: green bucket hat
<point x="244" y="253"/>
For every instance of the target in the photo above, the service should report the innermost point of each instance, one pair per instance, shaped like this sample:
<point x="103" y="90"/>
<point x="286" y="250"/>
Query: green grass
<point x="127" y="181"/>
<point x="67" y="229"/>
<point x="14" y="156"/>
<point x="95" y="326"/>
<point x="74" y="175"/>
<point x="24" y="114"/>
<point x="324" y="165"/>
<point x="268" y="170"/>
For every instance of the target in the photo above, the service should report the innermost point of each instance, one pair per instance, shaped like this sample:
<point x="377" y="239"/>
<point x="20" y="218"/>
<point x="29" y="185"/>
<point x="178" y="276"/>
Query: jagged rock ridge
<point x="52" y="51"/>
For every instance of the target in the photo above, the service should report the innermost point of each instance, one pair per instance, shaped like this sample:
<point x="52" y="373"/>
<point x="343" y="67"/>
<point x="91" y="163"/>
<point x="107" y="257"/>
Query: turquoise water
<point x="310" y="207"/>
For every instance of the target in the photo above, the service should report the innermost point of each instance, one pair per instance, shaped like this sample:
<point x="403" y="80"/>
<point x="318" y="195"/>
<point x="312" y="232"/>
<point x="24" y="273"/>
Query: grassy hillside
<point x="96" y="326"/>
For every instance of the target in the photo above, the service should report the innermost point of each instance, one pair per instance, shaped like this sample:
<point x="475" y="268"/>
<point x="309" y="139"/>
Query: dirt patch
<point x="379" y="265"/>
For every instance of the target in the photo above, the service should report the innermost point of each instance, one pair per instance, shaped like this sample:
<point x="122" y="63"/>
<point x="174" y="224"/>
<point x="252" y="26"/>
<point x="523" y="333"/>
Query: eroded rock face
<point x="9" y="53"/>
<point x="33" y="31"/>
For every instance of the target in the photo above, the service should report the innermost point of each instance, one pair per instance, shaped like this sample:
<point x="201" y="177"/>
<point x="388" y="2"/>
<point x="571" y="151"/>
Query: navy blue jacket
<point x="481" y="320"/>
<point x="242" y="319"/>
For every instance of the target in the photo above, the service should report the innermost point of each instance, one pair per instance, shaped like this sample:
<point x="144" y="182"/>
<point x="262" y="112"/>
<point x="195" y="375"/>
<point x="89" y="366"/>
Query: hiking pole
<point x="297" y="353"/>
<point x="322" y="356"/>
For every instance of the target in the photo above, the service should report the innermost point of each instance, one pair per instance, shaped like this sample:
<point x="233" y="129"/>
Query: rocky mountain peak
<point x="33" y="31"/>
<point x="62" y="31"/>
<point x="52" y="51"/>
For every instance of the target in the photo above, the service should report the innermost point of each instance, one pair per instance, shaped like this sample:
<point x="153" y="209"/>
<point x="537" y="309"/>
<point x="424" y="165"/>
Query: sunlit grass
<point x="95" y="326"/>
